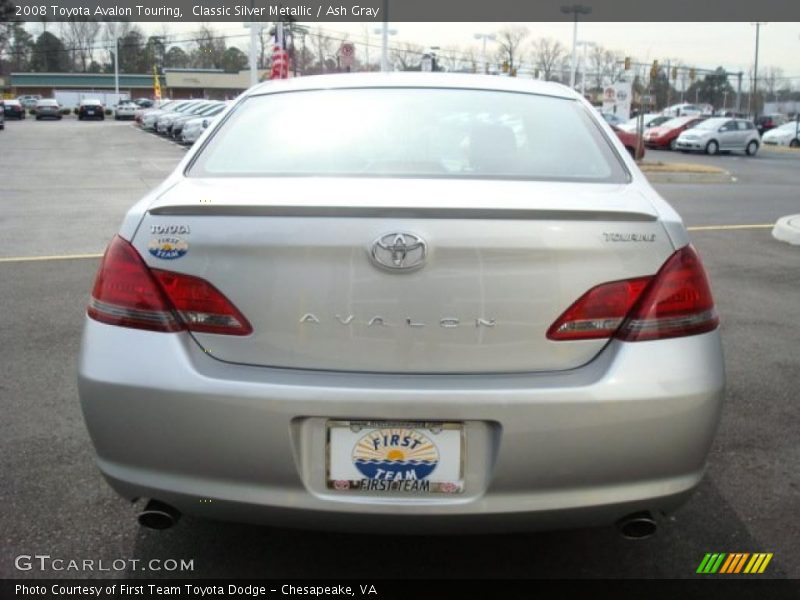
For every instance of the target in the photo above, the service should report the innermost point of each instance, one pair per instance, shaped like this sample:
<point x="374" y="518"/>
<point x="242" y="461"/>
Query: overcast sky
<point x="705" y="45"/>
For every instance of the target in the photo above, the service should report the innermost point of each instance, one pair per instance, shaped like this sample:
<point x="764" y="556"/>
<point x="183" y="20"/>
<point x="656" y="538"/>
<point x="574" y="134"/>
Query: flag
<point x="280" y="63"/>
<point x="156" y="85"/>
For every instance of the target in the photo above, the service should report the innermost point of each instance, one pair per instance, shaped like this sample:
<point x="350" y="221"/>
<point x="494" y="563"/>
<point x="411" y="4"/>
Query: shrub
<point x="109" y="112"/>
<point x="65" y="111"/>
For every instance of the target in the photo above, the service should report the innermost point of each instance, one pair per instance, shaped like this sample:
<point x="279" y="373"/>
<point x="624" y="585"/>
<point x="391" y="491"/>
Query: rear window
<point x="411" y="132"/>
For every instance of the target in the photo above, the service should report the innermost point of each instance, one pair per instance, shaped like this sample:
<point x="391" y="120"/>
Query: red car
<point x="630" y="141"/>
<point x="666" y="134"/>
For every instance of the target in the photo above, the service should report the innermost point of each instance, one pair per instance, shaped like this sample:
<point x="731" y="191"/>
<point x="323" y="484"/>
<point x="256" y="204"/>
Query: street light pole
<point x="116" y="65"/>
<point x="585" y="45"/>
<point x="758" y="25"/>
<point x="484" y="37"/>
<point x="575" y="10"/>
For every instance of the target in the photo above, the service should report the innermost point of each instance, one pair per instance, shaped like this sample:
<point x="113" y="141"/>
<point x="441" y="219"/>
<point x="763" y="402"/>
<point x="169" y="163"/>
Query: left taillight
<point x="127" y="293"/>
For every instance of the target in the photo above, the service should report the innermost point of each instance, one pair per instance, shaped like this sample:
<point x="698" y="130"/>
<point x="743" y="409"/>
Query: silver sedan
<point x="406" y="302"/>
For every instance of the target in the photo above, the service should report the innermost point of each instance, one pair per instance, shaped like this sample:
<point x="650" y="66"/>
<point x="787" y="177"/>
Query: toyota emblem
<point x="399" y="251"/>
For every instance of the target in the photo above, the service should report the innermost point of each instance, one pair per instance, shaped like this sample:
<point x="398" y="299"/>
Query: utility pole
<point x="385" y="38"/>
<point x="739" y="92"/>
<point x="585" y="45"/>
<point x="758" y="25"/>
<point x="575" y="10"/>
<point x="116" y="65"/>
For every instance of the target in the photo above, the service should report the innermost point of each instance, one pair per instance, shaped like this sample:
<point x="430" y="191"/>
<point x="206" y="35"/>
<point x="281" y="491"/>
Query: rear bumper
<point x="630" y="431"/>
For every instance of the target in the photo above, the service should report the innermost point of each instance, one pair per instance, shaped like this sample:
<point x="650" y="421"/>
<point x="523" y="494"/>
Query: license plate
<point x="90" y="112"/>
<point x="413" y="458"/>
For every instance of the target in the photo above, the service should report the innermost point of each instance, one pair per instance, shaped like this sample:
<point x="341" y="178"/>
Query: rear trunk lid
<point x="503" y="260"/>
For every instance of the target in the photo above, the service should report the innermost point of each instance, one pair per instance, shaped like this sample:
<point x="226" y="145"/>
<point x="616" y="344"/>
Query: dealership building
<point x="70" y="88"/>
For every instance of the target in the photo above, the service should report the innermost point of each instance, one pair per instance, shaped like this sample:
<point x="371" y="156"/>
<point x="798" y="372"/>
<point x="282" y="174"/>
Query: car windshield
<point x="411" y="132"/>
<point x="47" y="103"/>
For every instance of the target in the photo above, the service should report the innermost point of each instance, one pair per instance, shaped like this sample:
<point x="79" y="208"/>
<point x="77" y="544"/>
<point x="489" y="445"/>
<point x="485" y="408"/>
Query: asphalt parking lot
<point x="64" y="187"/>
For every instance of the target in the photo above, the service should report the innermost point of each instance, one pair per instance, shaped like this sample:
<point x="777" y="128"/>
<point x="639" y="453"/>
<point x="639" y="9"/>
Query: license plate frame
<point x="357" y="457"/>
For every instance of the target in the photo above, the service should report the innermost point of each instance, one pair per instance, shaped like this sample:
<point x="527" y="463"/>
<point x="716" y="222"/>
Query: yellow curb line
<point x="13" y="259"/>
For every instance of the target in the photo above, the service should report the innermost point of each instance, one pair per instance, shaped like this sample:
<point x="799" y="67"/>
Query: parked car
<point x="144" y="102"/>
<point x="91" y="108"/>
<point x="783" y="135"/>
<point x="2" y="115"/>
<point x="766" y="122"/>
<point x="29" y="100"/>
<point x="666" y="134"/>
<point x="686" y="109"/>
<point x="457" y="306"/>
<point x="650" y="120"/>
<point x="211" y="109"/>
<point x="164" y="122"/>
<point x="125" y="110"/>
<point x="194" y="128"/>
<point x="13" y="109"/>
<point x="140" y="112"/>
<point x="721" y="135"/>
<point x="631" y="141"/>
<point x="47" y="108"/>
<point x="613" y="119"/>
<point x="150" y="118"/>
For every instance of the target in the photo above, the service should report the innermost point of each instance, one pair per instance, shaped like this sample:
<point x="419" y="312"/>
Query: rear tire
<point x="712" y="148"/>
<point x="795" y="143"/>
<point x="752" y="148"/>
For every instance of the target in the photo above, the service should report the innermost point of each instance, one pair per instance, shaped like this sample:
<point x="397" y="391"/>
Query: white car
<point x="193" y="129"/>
<point x="685" y="109"/>
<point x="720" y="135"/>
<point x="125" y="110"/>
<point x="787" y="134"/>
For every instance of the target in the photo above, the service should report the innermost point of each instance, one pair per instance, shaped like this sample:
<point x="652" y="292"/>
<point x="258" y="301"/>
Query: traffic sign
<point x="347" y="54"/>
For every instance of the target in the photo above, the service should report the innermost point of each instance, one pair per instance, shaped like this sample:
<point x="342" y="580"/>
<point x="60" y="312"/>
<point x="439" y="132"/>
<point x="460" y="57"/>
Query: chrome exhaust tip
<point x="158" y="515"/>
<point x="638" y="526"/>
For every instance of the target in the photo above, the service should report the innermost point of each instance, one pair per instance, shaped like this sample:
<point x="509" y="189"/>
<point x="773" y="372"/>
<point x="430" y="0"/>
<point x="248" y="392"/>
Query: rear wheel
<point x="712" y="147"/>
<point x="752" y="148"/>
<point x="795" y="143"/>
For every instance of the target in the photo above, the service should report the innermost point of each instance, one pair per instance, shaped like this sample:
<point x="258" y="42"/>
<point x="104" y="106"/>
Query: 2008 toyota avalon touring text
<point x="404" y="302"/>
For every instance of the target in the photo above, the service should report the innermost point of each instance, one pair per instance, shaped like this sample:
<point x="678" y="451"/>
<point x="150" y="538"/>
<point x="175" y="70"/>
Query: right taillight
<point x="129" y="294"/>
<point x="675" y="302"/>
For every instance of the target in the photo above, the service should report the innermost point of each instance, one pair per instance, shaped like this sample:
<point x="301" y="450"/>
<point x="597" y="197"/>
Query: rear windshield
<point x="411" y="132"/>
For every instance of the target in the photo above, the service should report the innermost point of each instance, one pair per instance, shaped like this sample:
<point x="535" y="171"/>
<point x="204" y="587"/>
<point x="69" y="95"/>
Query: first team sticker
<point x="168" y="247"/>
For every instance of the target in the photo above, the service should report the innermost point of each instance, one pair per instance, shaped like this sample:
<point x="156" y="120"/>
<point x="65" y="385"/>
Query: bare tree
<point x="471" y="58"/>
<point x="323" y="45"/>
<point x="111" y="31"/>
<point x="770" y="81"/>
<point x="547" y="54"/>
<point x="449" y="57"/>
<point x="407" y="55"/>
<point x="208" y="48"/>
<point x="509" y="42"/>
<point x="79" y="38"/>
<point x="606" y="66"/>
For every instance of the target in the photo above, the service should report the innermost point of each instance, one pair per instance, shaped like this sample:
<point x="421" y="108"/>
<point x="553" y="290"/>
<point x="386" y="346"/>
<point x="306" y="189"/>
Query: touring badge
<point x="395" y="454"/>
<point x="168" y="247"/>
